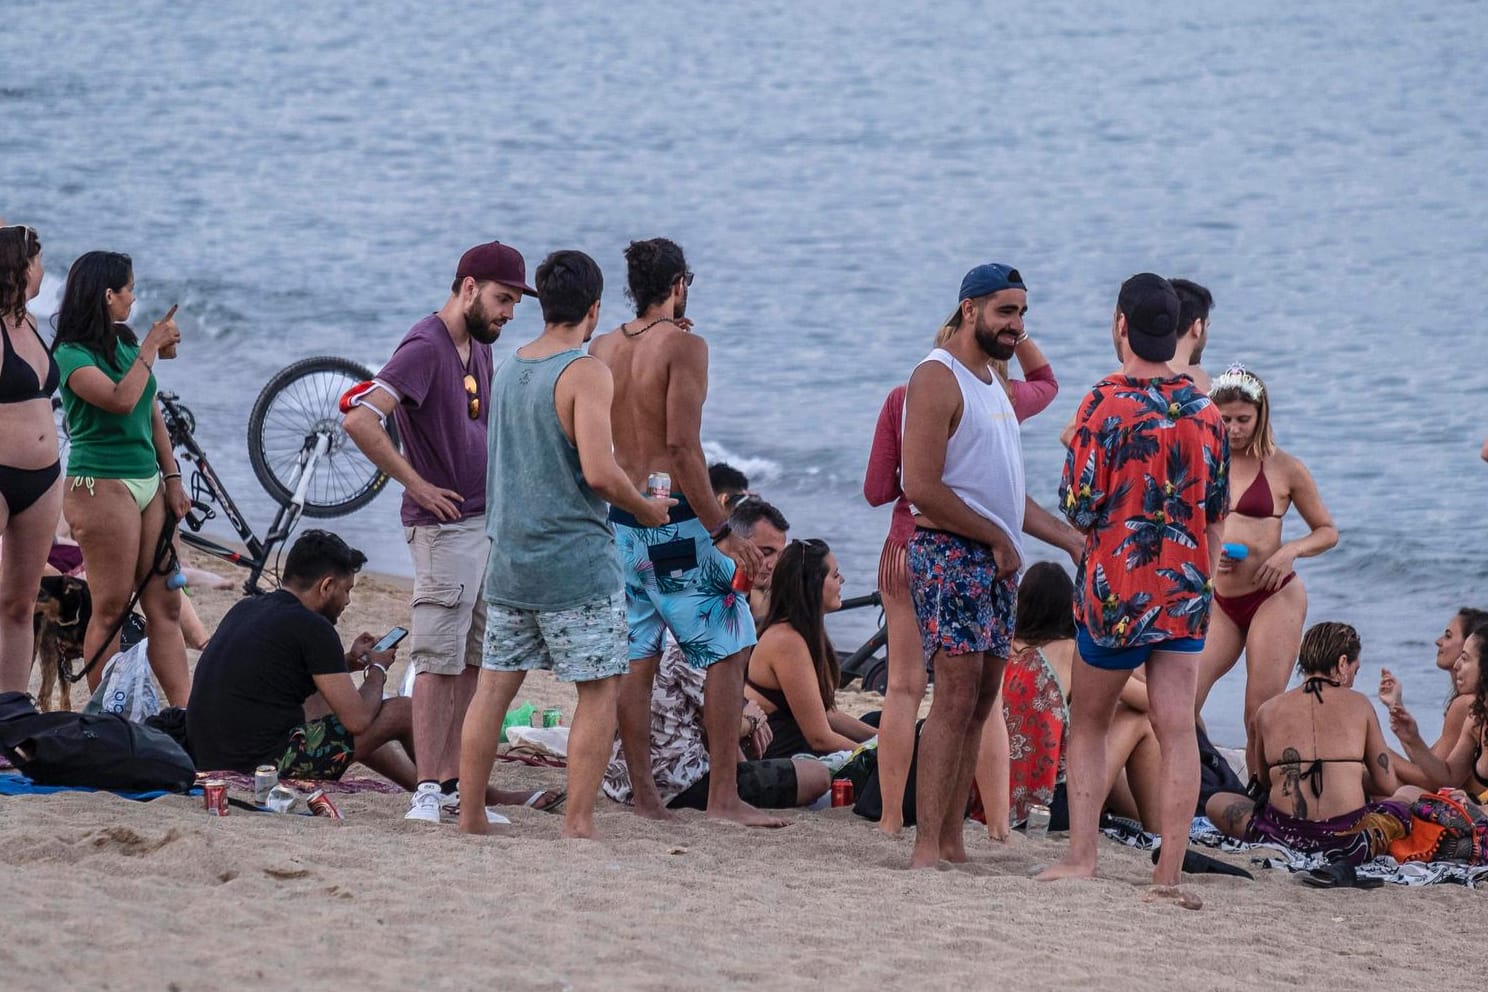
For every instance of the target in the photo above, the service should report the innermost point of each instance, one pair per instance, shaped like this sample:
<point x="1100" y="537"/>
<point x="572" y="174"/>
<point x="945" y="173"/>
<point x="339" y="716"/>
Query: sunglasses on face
<point x="686" y="278"/>
<point x="472" y="391"/>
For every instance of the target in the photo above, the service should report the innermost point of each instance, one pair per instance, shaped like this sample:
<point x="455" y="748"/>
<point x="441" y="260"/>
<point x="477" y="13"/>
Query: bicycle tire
<point x="293" y="406"/>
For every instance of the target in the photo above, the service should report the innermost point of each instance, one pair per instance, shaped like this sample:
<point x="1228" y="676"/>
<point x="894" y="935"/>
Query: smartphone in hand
<point x="391" y="639"/>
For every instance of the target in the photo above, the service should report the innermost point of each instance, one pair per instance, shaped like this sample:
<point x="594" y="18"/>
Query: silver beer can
<point x="659" y="485"/>
<point x="265" y="777"/>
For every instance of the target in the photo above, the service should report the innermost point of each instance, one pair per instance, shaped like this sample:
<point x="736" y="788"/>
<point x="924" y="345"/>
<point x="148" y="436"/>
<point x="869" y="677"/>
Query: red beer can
<point x="320" y="804"/>
<point x="742" y="582"/>
<point x="214" y="796"/>
<point x="842" y="792"/>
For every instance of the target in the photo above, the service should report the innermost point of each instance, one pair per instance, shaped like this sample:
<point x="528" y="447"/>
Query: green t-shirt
<point x="107" y="445"/>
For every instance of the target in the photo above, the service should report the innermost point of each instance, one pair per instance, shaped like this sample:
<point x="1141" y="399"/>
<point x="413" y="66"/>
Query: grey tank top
<point x="551" y="545"/>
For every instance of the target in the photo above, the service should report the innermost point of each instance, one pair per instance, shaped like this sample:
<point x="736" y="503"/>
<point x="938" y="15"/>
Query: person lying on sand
<point x="1319" y="745"/>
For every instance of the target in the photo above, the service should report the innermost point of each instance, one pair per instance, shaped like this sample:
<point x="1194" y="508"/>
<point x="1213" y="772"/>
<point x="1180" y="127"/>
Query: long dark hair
<point x="796" y="599"/>
<point x="1046" y="605"/>
<point x="84" y="318"/>
<point x="1479" y="711"/>
<point x="18" y="245"/>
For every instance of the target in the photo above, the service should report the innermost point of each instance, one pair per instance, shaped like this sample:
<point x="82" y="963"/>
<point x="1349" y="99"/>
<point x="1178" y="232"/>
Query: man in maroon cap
<point x="436" y="387"/>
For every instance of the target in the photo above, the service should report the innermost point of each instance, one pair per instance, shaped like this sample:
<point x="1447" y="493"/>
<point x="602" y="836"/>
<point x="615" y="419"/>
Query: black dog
<point x="63" y="609"/>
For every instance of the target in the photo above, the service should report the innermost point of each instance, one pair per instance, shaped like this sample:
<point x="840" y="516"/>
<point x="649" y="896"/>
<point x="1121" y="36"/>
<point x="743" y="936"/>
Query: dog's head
<point x="63" y="601"/>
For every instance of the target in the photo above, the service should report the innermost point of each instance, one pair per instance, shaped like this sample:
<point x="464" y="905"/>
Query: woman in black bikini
<point x="793" y="670"/>
<point x="1260" y="604"/>
<point x="31" y="478"/>
<point x="1321" y="755"/>
<point x="1467" y="765"/>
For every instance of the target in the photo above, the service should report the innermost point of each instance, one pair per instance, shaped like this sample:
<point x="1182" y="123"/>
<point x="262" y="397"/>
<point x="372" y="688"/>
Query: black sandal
<point x="1339" y="875"/>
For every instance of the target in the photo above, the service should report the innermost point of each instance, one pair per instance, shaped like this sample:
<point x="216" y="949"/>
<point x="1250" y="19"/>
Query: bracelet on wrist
<point x="722" y="533"/>
<point x="377" y="665"/>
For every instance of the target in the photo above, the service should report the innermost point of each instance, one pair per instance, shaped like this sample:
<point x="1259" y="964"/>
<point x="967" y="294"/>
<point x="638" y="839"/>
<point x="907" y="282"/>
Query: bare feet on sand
<point x="745" y="815"/>
<point x="1065" y="869"/>
<point x="1172" y="893"/>
<point x="655" y="813"/>
<point x="578" y="831"/>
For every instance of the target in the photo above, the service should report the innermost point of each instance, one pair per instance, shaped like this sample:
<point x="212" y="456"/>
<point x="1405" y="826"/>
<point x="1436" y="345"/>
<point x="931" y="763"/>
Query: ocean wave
<point x="757" y="468"/>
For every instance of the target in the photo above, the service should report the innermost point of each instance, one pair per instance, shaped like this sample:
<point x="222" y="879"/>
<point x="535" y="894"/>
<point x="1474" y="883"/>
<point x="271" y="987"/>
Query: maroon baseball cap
<point x="495" y="262"/>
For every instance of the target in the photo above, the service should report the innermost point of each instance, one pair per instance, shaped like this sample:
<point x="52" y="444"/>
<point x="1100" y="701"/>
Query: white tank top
<point x="984" y="457"/>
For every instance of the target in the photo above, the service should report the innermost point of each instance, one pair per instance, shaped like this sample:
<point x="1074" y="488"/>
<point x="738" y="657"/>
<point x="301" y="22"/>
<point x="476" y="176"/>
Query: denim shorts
<point x="1134" y="657"/>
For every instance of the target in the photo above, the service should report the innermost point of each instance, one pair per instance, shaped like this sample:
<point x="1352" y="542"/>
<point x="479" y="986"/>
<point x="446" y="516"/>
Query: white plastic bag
<point x="542" y="740"/>
<point x="127" y="687"/>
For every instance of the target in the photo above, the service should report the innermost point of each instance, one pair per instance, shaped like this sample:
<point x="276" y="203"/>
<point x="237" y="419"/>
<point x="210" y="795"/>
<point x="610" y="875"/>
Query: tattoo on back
<point x="1291" y="781"/>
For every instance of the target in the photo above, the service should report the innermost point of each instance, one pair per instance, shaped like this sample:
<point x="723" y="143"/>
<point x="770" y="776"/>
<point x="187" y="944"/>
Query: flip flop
<point x="554" y="805"/>
<point x="1339" y="875"/>
<point x="1195" y="863"/>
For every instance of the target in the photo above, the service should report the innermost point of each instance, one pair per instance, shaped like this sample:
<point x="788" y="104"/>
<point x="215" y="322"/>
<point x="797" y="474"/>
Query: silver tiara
<point x="1239" y="378"/>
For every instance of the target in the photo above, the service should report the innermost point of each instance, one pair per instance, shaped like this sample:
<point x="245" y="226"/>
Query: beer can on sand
<point x="842" y="792"/>
<point x="214" y="796"/>
<point x="659" y="485"/>
<point x="552" y="717"/>
<point x="320" y="804"/>
<point x="265" y="777"/>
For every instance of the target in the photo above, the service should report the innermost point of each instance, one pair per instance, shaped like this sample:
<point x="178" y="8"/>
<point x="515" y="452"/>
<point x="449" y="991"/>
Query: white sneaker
<point x="427" y="803"/>
<point x="450" y="803"/>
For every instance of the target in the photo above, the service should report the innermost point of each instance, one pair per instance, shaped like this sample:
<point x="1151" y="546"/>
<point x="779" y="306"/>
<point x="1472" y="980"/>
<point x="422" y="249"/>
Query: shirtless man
<point x="677" y="577"/>
<point x="1194" y="304"/>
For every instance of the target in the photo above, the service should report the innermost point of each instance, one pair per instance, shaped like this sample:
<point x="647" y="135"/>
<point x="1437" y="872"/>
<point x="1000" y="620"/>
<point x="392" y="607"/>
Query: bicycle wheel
<point x="294" y="408"/>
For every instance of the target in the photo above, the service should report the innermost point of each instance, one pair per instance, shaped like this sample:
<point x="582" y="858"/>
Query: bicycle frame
<point x="178" y="423"/>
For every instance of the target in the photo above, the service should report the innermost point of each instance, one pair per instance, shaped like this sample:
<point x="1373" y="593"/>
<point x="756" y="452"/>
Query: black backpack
<point x="97" y="750"/>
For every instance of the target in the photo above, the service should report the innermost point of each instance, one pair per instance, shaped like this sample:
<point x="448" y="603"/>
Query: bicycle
<point x="299" y="451"/>
<point x="864" y="664"/>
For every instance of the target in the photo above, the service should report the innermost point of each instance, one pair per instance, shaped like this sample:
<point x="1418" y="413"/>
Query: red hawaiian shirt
<point x="1147" y="473"/>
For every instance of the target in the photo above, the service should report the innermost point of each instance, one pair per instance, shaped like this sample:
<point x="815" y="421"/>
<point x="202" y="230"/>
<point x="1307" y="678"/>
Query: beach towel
<point x="243" y="782"/>
<point x="1386" y="869"/>
<point x="16" y="784"/>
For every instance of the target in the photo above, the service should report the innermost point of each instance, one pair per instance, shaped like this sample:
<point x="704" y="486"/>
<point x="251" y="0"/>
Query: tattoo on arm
<point x="1233" y="815"/>
<point x="1383" y="761"/>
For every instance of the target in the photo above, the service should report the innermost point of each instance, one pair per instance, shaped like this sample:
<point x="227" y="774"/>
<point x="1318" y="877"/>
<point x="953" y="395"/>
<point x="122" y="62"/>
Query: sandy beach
<point x="110" y="894"/>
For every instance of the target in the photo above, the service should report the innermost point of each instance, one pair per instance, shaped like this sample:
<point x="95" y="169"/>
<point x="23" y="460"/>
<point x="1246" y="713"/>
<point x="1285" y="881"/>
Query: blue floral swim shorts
<point x="962" y="605"/>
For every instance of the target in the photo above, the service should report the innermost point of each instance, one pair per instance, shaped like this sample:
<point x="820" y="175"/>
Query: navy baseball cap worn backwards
<point x="984" y="280"/>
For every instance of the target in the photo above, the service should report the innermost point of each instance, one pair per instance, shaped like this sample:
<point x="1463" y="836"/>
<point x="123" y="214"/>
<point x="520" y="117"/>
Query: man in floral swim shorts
<point x="963" y="472"/>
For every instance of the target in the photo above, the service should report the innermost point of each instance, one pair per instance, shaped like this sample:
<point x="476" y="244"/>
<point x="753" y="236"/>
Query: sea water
<point x="302" y="178"/>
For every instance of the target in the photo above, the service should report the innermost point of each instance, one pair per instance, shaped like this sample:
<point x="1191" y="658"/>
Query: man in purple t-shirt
<point x="436" y="387"/>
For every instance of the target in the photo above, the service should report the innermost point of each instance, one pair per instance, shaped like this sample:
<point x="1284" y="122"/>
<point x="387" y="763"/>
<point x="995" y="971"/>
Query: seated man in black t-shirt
<point x="274" y="686"/>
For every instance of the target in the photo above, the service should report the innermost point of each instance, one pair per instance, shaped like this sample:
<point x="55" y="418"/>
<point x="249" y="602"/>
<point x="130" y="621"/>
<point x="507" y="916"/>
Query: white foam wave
<point x="758" y="469"/>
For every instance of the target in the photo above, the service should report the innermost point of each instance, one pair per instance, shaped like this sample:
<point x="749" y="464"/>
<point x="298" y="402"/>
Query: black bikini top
<point x="18" y="382"/>
<point x="1313" y="773"/>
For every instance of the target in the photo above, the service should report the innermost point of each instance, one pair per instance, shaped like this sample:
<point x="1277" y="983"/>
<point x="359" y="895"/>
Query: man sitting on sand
<point x="679" y="752"/>
<point x="274" y="687"/>
<point x="1320" y="745"/>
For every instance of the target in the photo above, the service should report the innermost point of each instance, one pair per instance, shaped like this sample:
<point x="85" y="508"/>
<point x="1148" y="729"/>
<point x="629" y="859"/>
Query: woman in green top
<point x="114" y="499"/>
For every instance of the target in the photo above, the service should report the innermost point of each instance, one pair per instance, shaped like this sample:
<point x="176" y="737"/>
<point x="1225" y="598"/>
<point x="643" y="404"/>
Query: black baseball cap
<point x="1150" y="305"/>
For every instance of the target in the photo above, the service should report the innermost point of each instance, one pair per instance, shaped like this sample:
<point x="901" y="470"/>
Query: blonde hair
<point x="950" y="326"/>
<point x="1239" y="384"/>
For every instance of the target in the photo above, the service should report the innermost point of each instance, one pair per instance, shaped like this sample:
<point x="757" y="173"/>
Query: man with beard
<point x="436" y="387"/>
<point x="677" y="577"/>
<point x="963" y="475"/>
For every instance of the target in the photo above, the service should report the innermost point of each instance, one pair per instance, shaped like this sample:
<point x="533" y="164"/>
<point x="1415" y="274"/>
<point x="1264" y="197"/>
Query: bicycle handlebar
<point x="858" y="602"/>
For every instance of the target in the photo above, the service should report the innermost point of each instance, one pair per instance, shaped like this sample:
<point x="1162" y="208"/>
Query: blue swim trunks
<point x="1129" y="659"/>
<point x="675" y="579"/>
<point x="963" y="606"/>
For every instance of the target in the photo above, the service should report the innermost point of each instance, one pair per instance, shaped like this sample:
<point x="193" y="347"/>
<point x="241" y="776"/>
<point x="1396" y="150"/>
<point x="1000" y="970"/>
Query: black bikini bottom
<point x="20" y="487"/>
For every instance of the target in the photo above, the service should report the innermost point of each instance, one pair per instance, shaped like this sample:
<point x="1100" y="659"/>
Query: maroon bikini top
<point x="1256" y="501"/>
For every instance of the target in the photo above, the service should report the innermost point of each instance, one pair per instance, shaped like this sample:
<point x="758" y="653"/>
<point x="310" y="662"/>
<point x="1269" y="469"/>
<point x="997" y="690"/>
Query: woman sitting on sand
<point x="1318" y="745"/>
<point x="1036" y="706"/>
<point x="1463" y="671"/>
<point x="793" y="672"/>
<point x="1260" y="608"/>
<point x="1466" y="766"/>
<point x="122" y="476"/>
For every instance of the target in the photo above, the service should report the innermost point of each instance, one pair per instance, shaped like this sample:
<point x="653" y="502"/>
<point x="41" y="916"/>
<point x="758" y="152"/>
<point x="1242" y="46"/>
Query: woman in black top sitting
<point x="793" y="672"/>
<point x="31" y="476"/>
